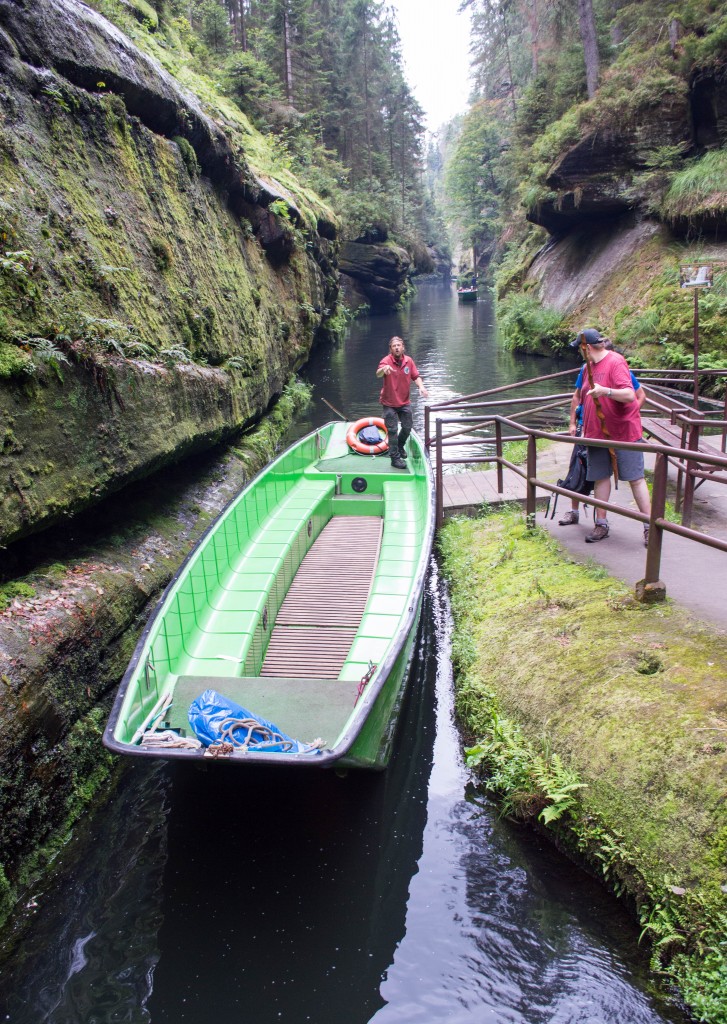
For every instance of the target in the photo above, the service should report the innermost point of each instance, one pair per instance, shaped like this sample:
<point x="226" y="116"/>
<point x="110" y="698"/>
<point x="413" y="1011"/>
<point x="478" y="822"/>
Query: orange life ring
<point x="367" y="449"/>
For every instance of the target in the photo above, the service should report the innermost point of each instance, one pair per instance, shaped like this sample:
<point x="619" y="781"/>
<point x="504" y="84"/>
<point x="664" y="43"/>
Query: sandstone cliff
<point x="158" y="282"/>
<point x="627" y="187"/>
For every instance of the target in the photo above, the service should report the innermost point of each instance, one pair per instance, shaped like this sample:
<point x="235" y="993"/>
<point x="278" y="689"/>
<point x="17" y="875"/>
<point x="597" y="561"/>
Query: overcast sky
<point x="435" y="44"/>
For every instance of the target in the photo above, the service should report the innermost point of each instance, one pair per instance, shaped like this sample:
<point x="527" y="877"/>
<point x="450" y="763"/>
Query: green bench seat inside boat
<point x="237" y="584"/>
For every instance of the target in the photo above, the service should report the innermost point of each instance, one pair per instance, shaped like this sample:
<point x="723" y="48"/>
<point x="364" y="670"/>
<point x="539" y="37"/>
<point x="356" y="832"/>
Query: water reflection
<point x="455" y="346"/>
<point x="499" y="927"/>
<point x="276" y="897"/>
<point x="88" y="951"/>
<point x="290" y="900"/>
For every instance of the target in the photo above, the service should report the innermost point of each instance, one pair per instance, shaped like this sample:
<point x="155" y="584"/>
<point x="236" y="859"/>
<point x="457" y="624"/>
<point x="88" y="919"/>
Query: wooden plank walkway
<point x="463" y="493"/>
<point x="663" y="432"/>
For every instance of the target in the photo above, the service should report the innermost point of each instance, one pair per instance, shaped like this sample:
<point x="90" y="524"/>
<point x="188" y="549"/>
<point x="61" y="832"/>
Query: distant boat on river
<point x="467" y="293"/>
<point x="286" y="635"/>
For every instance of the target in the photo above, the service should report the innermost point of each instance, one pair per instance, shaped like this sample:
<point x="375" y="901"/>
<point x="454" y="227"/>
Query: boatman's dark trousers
<point x="392" y="418"/>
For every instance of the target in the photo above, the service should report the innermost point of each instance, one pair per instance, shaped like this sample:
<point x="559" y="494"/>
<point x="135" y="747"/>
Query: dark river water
<point x="452" y="343"/>
<point x="266" y="896"/>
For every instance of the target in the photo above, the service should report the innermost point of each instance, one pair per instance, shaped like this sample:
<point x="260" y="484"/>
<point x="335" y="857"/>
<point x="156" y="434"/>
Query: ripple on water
<point x="399" y="899"/>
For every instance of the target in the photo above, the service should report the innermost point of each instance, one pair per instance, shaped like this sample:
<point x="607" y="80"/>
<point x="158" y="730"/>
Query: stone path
<point x="695" y="575"/>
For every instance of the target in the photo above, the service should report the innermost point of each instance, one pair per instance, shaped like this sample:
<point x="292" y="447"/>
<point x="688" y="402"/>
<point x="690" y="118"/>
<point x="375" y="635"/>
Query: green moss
<point x="555" y="658"/>
<point x="90" y="762"/>
<point x="699" y="189"/>
<point x="14" y="362"/>
<point x="162" y="252"/>
<point x="146" y="14"/>
<point x="10" y="592"/>
<point x="261" y="444"/>
<point x="79" y="767"/>
<point x="665" y="318"/>
<point x="188" y="156"/>
<point x="628" y="94"/>
<point x="172" y="269"/>
<point x="529" y="326"/>
<point x="524" y="242"/>
<point x="56" y="571"/>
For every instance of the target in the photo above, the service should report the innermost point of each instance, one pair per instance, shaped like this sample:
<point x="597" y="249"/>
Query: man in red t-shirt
<point x="398" y="370"/>
<point x="612" y="386"/>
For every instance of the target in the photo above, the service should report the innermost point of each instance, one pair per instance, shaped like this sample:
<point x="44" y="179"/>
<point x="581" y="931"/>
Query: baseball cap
<point x="592" y="336"/>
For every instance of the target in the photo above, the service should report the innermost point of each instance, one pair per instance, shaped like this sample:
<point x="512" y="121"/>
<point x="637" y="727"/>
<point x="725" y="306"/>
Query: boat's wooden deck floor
<point x="298" y="688"/>
<point x="322" y="611"/>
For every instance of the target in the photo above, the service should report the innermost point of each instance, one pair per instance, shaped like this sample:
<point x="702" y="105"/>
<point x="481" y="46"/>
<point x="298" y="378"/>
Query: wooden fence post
<point x="651" y="588"/>
<point x="498" y="452"/>
<point x="693" y="443"/>
<point x="438" y="482"/>
<point x="532" y="470"/>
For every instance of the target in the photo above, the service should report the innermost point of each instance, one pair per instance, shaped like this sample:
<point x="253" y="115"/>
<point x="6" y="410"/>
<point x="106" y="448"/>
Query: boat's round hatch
<point x="359" y="485"/>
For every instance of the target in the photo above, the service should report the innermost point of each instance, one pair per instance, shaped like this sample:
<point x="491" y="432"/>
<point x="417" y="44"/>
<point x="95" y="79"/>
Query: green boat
<point x="296" y="612"/>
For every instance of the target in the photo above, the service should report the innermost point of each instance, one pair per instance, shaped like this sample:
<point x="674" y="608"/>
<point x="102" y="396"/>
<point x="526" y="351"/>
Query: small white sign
<point x="695" y="276"/>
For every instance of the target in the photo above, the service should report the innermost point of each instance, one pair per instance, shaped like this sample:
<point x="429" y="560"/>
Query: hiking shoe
<point x="402" y="453"/>
<point x="569" y="519"/>
<point x="398" y="463"/>
<point x="646" y="536"/>
<point x="599" y="532"/>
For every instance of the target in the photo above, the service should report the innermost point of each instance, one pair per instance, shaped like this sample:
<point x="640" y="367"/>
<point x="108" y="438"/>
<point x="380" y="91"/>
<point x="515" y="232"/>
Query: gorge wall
<point x="629" y="186"/>
<point x="157" y="286"/>
<point x="161" y="277"/>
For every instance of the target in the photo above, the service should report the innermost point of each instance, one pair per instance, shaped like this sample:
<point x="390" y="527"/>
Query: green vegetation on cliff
<point x="154" y="296"/>
<point x="589" y="120"/>
<point x="321" y="89"/>
<point x="600" y="718"/>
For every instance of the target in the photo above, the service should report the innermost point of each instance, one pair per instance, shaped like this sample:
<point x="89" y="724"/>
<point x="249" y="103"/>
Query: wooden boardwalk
<point x="463" y="493"/>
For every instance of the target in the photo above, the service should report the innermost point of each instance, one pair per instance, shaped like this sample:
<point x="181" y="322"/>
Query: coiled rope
<point x="258" y="737"/>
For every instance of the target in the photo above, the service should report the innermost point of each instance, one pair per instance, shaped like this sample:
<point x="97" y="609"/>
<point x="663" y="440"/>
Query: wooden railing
<point x="692" y="462"/>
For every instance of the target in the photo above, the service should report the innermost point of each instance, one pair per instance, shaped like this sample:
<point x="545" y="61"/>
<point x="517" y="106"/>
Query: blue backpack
<point x="369" y="435"/>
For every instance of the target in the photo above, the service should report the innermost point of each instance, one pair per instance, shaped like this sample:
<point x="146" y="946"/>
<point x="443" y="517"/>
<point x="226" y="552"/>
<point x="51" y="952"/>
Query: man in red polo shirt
<point x="398" y="370"/>
<point x="612" y="386"/>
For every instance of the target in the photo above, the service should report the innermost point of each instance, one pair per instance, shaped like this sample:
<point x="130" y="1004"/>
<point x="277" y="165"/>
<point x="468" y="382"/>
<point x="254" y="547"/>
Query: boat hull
<point x="236" y="619"/>
<point x="373" y="746"/>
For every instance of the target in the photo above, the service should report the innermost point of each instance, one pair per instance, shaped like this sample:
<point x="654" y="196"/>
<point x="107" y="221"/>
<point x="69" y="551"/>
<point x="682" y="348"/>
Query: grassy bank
<point x="605" y="721"/>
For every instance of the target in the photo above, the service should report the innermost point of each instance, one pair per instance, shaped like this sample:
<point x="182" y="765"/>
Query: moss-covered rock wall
<point x="68" y="630"/>
<point x="156" y="286"/>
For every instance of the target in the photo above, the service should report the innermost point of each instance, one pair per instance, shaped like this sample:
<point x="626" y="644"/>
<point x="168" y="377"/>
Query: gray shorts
<point x="630" y="464"/>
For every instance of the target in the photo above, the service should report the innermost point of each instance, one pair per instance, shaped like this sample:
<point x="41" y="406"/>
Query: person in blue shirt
<point x="572" y="516"/>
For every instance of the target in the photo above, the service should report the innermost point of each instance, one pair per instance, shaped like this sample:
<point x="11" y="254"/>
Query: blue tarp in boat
<point x="217" y="719"/>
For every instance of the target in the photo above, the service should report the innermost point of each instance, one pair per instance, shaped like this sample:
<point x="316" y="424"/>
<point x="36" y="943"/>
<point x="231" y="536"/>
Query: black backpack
<point x="575" y="478"/>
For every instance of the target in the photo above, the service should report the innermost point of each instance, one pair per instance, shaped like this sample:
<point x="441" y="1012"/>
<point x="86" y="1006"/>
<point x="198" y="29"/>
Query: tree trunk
<point x="587" y="25"/>
<point x="287" y="55"/>
<point x="234" y="10"/>
<point x="676" y="31"/>
<point x="366" y="94"/>
<point x="509" y="62"/>
<point x="531" y="13"/>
